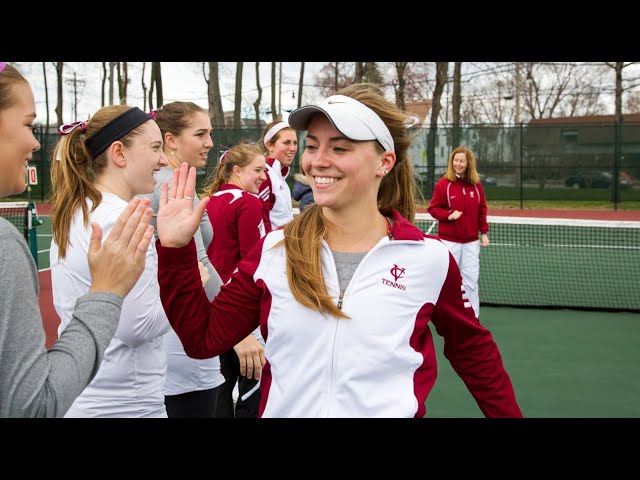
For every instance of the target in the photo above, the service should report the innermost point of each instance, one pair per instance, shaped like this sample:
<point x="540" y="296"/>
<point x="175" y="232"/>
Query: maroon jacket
<point x="469" y="199"/>
<point x="236" y="218"/>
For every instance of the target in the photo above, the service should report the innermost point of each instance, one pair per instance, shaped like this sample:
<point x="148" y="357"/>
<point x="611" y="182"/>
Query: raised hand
<point x="117" y="263"/>
<point x="177" y="221"/>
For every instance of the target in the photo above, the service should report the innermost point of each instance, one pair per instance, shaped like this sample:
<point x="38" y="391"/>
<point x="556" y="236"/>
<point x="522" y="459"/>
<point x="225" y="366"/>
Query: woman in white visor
<point x="344" y="294"/>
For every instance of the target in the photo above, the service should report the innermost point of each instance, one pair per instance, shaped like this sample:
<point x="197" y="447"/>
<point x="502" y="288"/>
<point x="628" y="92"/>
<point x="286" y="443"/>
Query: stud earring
<point x="384" y="172"/>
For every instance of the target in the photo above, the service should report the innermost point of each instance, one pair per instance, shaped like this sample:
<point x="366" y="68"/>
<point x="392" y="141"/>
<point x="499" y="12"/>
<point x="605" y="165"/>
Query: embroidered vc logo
<point x="397" y="273"/>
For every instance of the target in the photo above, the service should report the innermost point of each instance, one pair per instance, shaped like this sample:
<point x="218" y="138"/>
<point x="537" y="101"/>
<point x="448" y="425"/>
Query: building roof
<point x="421" y="109"/>
<point x="585" y="120"/>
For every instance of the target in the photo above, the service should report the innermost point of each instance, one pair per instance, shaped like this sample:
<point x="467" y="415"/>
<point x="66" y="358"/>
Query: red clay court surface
<point x="51" y="320"/>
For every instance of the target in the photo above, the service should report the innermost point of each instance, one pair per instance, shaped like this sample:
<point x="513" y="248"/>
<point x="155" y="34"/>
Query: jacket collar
<point x="403" y="230"/>
<point x="275" y="164"/>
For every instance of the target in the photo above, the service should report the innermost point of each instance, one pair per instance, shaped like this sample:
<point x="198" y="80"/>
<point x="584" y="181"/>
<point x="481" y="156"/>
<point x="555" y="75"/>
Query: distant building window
<point x="570" y="135"/>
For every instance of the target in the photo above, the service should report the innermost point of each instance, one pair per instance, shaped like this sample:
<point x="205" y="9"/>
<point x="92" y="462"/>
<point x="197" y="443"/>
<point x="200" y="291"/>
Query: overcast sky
<point x="185" y="81"/>
<point x="180" y="81"/>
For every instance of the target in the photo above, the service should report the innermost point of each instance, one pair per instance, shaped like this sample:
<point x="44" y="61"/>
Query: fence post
<point x="617" y="151"/>
<point x="521" y="155"/>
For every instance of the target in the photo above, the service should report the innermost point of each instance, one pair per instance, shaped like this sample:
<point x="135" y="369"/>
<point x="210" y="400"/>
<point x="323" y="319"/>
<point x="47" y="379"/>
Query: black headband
<point x="115" y="129"/>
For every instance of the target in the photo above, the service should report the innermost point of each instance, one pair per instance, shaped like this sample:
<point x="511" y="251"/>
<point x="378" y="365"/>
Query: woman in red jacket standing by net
<point x="460" y="206"/>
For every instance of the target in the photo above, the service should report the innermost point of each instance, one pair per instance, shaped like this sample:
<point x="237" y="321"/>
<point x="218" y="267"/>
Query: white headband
<point x="273" y="130"/>
<point x="353" y="119"/>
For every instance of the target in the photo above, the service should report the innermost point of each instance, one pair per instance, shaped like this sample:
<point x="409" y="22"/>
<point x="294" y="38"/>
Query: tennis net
<point x="558" y="263"/>
<point x="19" y="214"/>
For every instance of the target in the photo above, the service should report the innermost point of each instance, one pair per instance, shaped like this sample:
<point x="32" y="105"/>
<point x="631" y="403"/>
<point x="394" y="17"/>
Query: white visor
<point x="351" y="118"/>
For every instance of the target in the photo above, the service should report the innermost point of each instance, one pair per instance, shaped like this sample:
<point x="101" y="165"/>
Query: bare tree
<point x="273" y="92"/>
<point x="213" y="93"/>
<point x="156" y="79"/>
<point x="46" y="93"/>
<point x="151" y="88"/>
<point x="104" y="81"/>
<point x="300" y="84"/>
<point x="414" y="81"/>
<point x="111" y="67"/>
<point x="336" y="75"/>
<point x="123" y="80"/>
<point x="325" y="78"/>
<point x="493" y="92"/>
<point x="442" y="69"/>
<point x="548" y="85"/>
<point x="359" y="72"/>
<point x="237" y="119"/>
<point x="256" y="104"/>
<point x="456" y="102"/>
<point x="399" y="88"/>
<point x="144" y="88"/>
<point x="632" y="104"/>
<point x="59" y="68"/>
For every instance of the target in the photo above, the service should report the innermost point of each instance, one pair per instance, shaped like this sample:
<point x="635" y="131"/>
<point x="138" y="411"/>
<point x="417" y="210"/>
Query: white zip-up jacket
<point x="132" y="373"/>
<point x="378" y="363"/>
<point x="276" y="195"/>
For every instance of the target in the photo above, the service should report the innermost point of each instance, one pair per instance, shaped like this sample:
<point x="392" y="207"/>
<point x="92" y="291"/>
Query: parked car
<point x="595" y="179"/>
<point x="488" y="180"/>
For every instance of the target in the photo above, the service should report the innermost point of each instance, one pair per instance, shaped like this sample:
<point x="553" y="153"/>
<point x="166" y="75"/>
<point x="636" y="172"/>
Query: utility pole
<point x="75" y="82"/>
<point x="280" y="91"/>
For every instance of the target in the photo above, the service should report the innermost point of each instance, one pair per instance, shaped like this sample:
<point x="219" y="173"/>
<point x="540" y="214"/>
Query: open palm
<point x="177" y="221"/>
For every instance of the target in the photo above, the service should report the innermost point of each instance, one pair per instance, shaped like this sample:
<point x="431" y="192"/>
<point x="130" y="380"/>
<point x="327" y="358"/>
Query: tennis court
<point x="563" y="363"/>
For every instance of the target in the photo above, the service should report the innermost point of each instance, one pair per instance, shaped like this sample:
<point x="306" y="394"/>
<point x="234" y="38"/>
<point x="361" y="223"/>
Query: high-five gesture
<point x="177" y="221"/>
<point x="117" y="263"/>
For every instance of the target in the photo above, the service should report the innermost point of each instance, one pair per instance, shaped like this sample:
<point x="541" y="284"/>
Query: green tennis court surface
<point x="44" y="242"/>
<point x="563" y="364"/>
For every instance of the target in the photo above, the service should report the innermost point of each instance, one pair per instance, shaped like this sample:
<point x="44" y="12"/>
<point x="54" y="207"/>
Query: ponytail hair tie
<point x="67" y="129"/>
<point x="224" y="154"/>
<point x="154" y="112"/>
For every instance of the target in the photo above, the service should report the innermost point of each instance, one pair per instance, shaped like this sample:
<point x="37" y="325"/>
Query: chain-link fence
<point x="523" y="163"/>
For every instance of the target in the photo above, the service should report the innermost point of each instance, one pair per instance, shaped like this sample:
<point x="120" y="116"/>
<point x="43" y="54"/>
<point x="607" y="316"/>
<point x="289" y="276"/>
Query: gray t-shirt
<point x="34" y="382"/>
<point x="202" y="237"/>
<point x="346" y="264"/>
